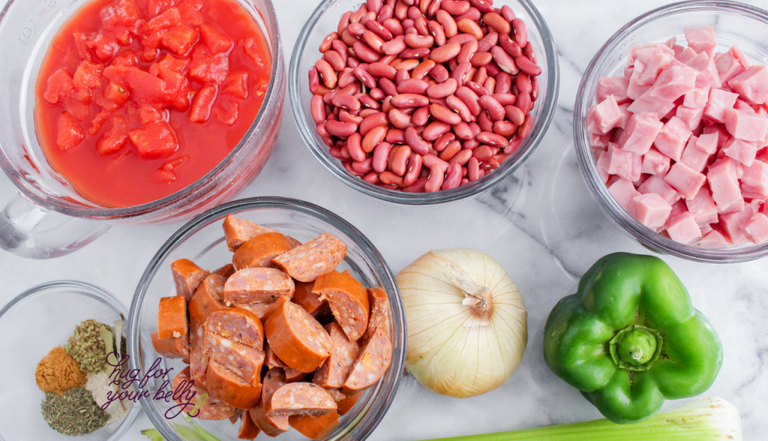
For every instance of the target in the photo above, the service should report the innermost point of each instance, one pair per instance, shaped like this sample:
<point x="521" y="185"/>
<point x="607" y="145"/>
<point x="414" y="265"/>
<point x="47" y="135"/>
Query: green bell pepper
<point x="630" y="338"/>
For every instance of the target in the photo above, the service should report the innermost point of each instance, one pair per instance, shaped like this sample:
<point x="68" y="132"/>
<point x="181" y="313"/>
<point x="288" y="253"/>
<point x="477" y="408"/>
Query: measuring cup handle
<point x="28" y="230"/>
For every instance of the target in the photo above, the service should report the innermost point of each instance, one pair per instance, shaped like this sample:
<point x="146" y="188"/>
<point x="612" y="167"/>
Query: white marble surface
<point x="541" y="224"/>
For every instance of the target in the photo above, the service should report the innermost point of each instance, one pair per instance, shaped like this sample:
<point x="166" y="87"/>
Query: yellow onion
<point x="467" y="323"/>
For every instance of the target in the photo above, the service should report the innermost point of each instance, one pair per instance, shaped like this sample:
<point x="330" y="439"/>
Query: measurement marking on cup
<point x="29" y="31"/>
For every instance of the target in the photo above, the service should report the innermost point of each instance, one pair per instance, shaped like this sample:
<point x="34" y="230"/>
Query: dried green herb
<point x="87" y="347"/>
<point x="74" y="413"/>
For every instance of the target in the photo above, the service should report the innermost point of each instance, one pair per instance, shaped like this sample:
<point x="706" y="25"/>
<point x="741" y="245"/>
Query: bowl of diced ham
<point x="671" y="130"/>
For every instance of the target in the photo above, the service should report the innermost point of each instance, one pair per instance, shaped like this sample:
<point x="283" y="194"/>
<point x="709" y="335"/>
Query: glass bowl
<point x="305" y="53"/>
<point x="26" y="31"/>
<point x="31" y="325"/>
<point x="734" y="23"/>
<point x="202" y="241"/>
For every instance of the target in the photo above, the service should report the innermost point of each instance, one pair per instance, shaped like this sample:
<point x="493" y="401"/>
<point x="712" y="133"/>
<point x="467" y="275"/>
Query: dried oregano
<point x="87" y="347"/>
<point x="74" y="413"/>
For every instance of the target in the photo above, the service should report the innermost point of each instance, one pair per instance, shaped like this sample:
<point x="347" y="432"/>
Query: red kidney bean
<point x="503" y="83"/>
<point x="380" y="157"/>
<point x="473" y="169"/>
<point x="463" y="131"/>
<point x="399" y="119"/>
<point x="394" y="27"/>
<point x="453" y="177"/>
<point x="459" y="107"/>
<point x="409" y="100"/>
<point x="340" y="129"/>
<point x="385" y="13"/>
<point x="484" y="121"/>
<point x="421" y="26"/>
<point x="325" y="45"/>
<point x="407" y="65"/>
<point x="365" y="53"/>
<point x="348" y="38"/>
<point x="371" y="178"/>
<point x="380" y="31"/>
<point x="373" y="138"/>
<point x="326" y="73"/>
<point x="509" y="46"/>
<point x="476" y="88"/>
<point x="461" y="73"/>
<point x="435" y="180"/>
<point x="482" y="5"/>
<point x="346" y="102"/>
<point x="408" y="24"/>
<point x="497" y="22"/>
<point x="492" y="139"/>
<point x="513" y="145"/>
<point x="443" y="141"/>
<point x="472" y="14"/>
<point x="450" y="150"/>
<point x="344" y="22"/>
<point x="504" y="128"/>
<point x="429" y="160"/>
<point x="527" y="66"/>
<point x="529" y="53"/>
<point x="490" y="86"/>
<point x="420" y="116"/>
<point x="521" y="32"/>
<point x="515" y="115"/>
<point x="534" y="88"/>
<point x="443" y="90"/>
<point x="437" y="32"/>
<point x="480" y="75"/>
<point x="369" y="16"/>
<point x="418" y="186"/>
<point x="378" y="95"/>
<point x="461" y="158"/>
<point x="469" y="26"/>
<point x="481" y="59"/>
<point x="419" y="41"/>
<point x="455" y="7"/>
<point x="317" y="107"/>
<point x="523" y="83"/>
<point x="395" y="136"/>
<point x="525" y="129"/>
<point x="470" y="99"/>
<point x="447" y="22"/>
<point x="388" y="86"/>
<point x="380" y="69"/>
<point x="354" y="147"/>
<point x="507" y="13"/>
<point x="443" y="114"/>
<point x="423" y="69"/>
<point x="345" y="116"/>
<point x="400" y="76"/>
<point x="374" y="120"/>
<point x="412" y="85"/>
<point x="413" y="139"/>
<point x="505" y="99"/>
<point x="401" y="10"/>
<point x="414" y="169"/>
<point x="468" y="49"/>
<point x="356" y="29"/>
<point x="388" y="177"/>
<point x="394" y="46"/>
<point x="374" y="5"/>
<point x="399" y="160"/>
<point x="504" y="61"/>
<point x="335" y="152"/>
<point x="487" y="42"/>
<point x="495" y="110"/>
<point x="314" y="79"/>
<point x="445" y="53"/>
<point x="524" y="102"/>
<point x="434" y="130"/>
<point x="439" y="73"/>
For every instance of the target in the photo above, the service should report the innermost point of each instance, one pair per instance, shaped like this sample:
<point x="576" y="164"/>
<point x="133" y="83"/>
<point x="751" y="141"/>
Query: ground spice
<point x="58" y="372"/>
<point x="87" y="347"/>
<point x="73" y="413"/>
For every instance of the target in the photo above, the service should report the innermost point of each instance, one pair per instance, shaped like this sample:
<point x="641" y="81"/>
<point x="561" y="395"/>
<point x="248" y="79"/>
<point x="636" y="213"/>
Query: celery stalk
<point x="705" y="419"/>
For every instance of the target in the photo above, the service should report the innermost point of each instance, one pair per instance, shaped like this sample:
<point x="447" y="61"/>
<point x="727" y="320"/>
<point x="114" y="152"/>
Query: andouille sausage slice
<point x="304" y="297"/>
<point x="272" y="361"/>
<point x="208" y="298"/>
<point x="230" y="388"/>
<point x="315" y="427"/>
<point x="297" y="338"/>
<point x="236" y="416"/>
<point x="302" y="399"/>
<point x="379" y="301"/>
<point x="213" y="409"/>
<point x="334" y="372"/>
<point x="346" y="404"/>
<point x="260" y="250"/>
<point x="237" y="231"/>
<point x="172" y="317"/>
<point x="198" y="361"/>
<point x="171" y="347"/>
<point x="237" y="324"/>
<point x="248" y="429"/>
<point x="374" y="359"/>
<point x="226" y="270"/>
<point x="244" y="361"/>
<point x="187" y="277"/>
<point x="313" y="258"/>
<point x="257" y="285"/>
<point x="272" y="425"/>
<point x="348" y="300"/>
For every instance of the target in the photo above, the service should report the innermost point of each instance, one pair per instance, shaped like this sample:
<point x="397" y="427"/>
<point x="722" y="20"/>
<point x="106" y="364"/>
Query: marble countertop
<point x="541" y="225"/>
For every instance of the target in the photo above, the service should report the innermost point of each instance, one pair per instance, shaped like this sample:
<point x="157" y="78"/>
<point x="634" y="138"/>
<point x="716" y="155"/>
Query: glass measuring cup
<point x="48" y="218"/>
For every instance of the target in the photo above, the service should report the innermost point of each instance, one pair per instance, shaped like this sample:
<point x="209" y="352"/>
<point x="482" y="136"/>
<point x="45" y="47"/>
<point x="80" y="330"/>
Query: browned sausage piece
<point x="304" y="297"/>
<point x="346" y="404"/>
<point x="272" y="361"/>
<point x="172" y="317"/>
<point x="171" y="347"/>
<point x="257" y="285"/>
<point x="270" y="425"/>
<point x="244" y="361"/>
<point x="237" y="231"/>
<point x="238" y="325"/>
<point x="301" y="399"/>
<point x="231" y="389"/>
<point x="226" y="270"/>
<point x="187" y="277"/>
<point x="208" y="298"/>
<point x="372" y="362"/>
<point x="312" y="259"/>
<point x="297" y="338"/>
<point x="260" y="250"/>
<point x="337" y="394"/>
<point x="213" y="409"/>
<point x="315" y="427"/>
<point x="348" y="300"/>
<point x="236" y="416"/>
<point x="248" y="429"/>
<point x="334" y="372"/>
<point x="379" y="312"/>
<point x="198" y="361"/>
<point x="258" y="309"/>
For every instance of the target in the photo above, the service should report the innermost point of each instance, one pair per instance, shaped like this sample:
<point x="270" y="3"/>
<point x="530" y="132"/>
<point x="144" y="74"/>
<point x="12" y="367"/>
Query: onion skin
<point x="467" y="323"/>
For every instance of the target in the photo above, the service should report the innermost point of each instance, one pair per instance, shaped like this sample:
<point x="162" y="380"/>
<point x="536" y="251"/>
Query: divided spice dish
<point x="734" y="23"/>
<point x="202" y="241"/>
<point x="47" y="315"/>
<point x="325" y="20"/>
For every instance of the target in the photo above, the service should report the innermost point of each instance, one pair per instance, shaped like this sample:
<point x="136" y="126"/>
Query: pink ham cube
<point x="656" y="184"/>
<point x="741" y="56"/>
<point x="719" y="101"/>
<point x="624" y="164"/>
<point x="742" y="151"/>
<point x="755" y="179"/>
<point x="695" y="157"/>
<point x="757" y="228"/>
<point x="624" y="191"/>
<point x="625" y="114"/>
<point x="699" y="61"/>
<point x="650" y="210"/>
<point x="733" y="224"/>
<point x="645" y="103"/>
<point x="745" y="126"/>
<point x="605" y="116"/>
<point x="691" y="117"/>
<point x="709" y="78"/>
<point x="598" y="140"/>
<point x="744" y="107"/>
<point x="685" y="180"/>
<point x="724" y="183"/>
<point x="703" y="207"/>
<point x="649" y="62"/>
<point x="616" y="86"/>
<point x="683" y="228"/>
<point x="727" y="66"/>
<point x="697" y="98"/>
<point x="720" y="136"/>
<point x="752" y="84"/>
<point x="672" y="138"/>
<point x="640" y="132"/>
<point x="714" y="240"/>
<point x="685" y="55"/>
<point x="674" y="81"/>
<point x="701" y="39"/>
<point x="655" y="163"/>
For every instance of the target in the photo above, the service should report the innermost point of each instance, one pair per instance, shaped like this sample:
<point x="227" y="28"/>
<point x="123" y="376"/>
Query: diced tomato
<point x="155" y="7"/>
<point x="126" y="58"/>
<point x="166" y="176"/>
<point x="81" y="111"/>
<point x="81" y="44"/>
<point x="254" y="51"/>
<point x="153" y="39"/>
<point x="180" y="39"/>
<point x="145" y="88"/>
<point x="104" y="46"/>
<point x="59" y="85"/>
<point x="190" y="12"/>
<point x="175" y="64"/>
<point x="227" y="112"/>
<point x="155" y="140"/>
<point x="149" y="115"/>
<point x="103" y="103"/>
<point x="88" y="75"/>
<point x="207" y="68"/>
<point x="70" y="134"/>
<point x="202" y="103"/>
<point x="216" y="40"/>
<point x="150" y="55"/>
<point x="82" y="96"/>
<point x="167" y="19"/>
<point x="116" y="93"/>
<point x="120" y="14"/>
<point x="176" y="85"/>
<point x="236" y="85"/>
<point x="116" y="137"/>
<point x="98" y="121"/>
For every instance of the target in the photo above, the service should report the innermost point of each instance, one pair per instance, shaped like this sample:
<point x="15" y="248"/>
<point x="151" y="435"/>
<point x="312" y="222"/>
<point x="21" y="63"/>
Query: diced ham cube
<point x="625" y="164"/>
<point x="616" y="86"/>
<point x="755" y="179"/>
<point x="727" y="66"/>
<point x="655" y="163"/>
<point x="647" y="104"/>
<point x="744" y="126"/>
<point x="695" y="157"/>
<point x="744" y="107"/>
<point x="719" y="101"/>
<point x="697" y="98"/>
<point x="741" y="56"/>
<point x="602" y="166"/>
<point x="649" y="63"/>
<point x="640" y="133"/>
<point x="683" y="228"/>
<point x="598" y="140"/>
<point x="625" y="114"/>
<point x="742" y="151"/>
<point x="685" y="180"/>
<point x="699" y="61"/>
<point x="624" y="191"/>
<point x="701" y="39"/>
<point x="719" y="137"/>
<point x="650" y="210"/>
<point x="724" y="183"/>
<point x="703" y="207"/>
<point x="733" y="224"/>
<point x="691" y="117"/>
<point x="605" y="116"/>
<point x="752" y="84"/>
<point x="714" y="240"/>
<point x="709" y="77"/>
<point x="656" y="184"/>
<point x="686" y="55"/>
<point x="672" y="138"/>
<point x="678" y="208"/>
<point x="757" y="228"/>
<point x="673" y="82"/>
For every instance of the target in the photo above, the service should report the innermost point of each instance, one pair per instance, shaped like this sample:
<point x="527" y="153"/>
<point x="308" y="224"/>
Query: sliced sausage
<point x="337" y="394"/>
<point x="334" y="372"/>
<point x="272" y="361"/>
<point x="237" y="231"/>
<point x="372" y="362"/>
<point x="171" y="347"/>
<point x="260" y="250"/>
<point x="346" y="404"/>
<point x="236" y="416"/>
<point x="248" y="429"/>
<point x="213" y="409"/>
<point x="187" y="277"/>
<point x="297" y="338"/>
<point x="348" y="300"/>
<point x="257" y="285"/>
<point x="172" y="317"/>
<point x="312" y="259"/>
<point x="258" y="309"/>
<point x="237" y="324"/>
<point x="198" y="361"/>
<point x="272" y="425"/>
<point x="315" y="427"/>
<point x="208" y="298"/>
<point x="304" y="297"/>
<point x="301" y="399"/>
<point x="244" y="361"/>
<point x="226" y="270"/>
<point x="230" y="388"/>
<point x="379" y="301"/>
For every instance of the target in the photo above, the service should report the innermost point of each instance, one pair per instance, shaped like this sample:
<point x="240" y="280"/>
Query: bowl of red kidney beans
<point x="423" y="102"/>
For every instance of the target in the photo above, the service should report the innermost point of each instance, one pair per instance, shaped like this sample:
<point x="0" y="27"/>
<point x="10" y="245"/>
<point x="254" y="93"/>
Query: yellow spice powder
<point x="58" y="372"/>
